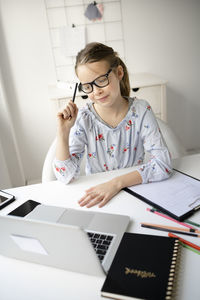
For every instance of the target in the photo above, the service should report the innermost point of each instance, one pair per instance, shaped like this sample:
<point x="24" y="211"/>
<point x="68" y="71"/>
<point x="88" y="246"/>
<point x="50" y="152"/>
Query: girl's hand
<point x="67" y="117"/>
<point x="101" y="194"/>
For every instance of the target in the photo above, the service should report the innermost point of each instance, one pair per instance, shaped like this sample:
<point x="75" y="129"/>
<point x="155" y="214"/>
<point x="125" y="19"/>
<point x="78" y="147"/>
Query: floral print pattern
<point x="92" y="155"/>
<point x="111" y="150"/>
<point x="100" y="137"/>
<point x="61" y="171"/>
<point x="123" y="146"/>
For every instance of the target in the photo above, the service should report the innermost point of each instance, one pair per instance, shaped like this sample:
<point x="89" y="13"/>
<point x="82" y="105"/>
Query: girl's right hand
<point x="67" y="117"/>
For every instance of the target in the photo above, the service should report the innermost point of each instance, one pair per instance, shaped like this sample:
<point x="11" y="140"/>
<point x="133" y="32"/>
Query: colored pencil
<point x="184" y="241"/>
<point x="160" y="227"/>
<point x="192" y="223"/>
<point x="175" y="228"/>
<point x="153" y="210"/>
<point x="190" y="248"/>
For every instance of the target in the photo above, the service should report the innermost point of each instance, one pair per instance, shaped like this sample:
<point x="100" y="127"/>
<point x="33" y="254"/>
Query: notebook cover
<point x="142" y="267"/>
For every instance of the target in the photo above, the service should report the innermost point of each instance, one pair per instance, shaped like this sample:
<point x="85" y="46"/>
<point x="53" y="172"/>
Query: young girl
<point x="115" y="129"/>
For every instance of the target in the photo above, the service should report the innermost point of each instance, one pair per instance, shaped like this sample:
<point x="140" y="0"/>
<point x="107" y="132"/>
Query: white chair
<point x="47" y="170"/>
<point x="174" y="146"/>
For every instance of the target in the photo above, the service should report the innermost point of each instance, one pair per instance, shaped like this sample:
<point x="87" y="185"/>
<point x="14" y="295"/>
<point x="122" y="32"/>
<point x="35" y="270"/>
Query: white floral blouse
<point x="109" y="148"/>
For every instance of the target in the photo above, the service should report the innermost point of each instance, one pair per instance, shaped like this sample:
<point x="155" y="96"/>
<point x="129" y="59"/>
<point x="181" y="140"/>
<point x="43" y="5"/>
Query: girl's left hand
<point x="100" y="193"/>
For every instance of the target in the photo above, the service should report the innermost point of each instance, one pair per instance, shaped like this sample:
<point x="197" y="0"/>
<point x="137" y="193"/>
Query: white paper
<point x="179" y="194"/>
<point x="72" y="40"/>
<point x="29" y="244"/>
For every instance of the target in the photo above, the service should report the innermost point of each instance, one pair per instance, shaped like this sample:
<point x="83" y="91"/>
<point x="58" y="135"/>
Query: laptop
<point x="71" y="239"/>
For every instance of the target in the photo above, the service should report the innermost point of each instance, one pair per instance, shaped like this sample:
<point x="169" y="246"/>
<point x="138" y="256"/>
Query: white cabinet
<point x="151" y="88"/>
<point x="60" y="97"/>
<point x="143" y="86"/>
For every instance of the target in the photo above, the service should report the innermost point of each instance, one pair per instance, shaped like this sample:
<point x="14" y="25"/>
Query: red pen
<point x="184" y="241"/>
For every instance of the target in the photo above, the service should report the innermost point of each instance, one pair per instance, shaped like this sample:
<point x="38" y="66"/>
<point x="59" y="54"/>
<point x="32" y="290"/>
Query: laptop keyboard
<point x="101" y="243"/>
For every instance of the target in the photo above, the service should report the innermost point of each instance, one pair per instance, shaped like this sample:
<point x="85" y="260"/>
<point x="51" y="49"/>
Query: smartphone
<point x="5" y="199"/>
<point x="24" y="209"/>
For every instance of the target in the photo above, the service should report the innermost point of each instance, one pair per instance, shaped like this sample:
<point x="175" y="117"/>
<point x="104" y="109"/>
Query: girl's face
<point x="107" y="95"/>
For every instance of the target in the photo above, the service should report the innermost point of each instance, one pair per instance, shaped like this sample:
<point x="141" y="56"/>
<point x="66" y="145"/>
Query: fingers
<point x="69" y="111"/>
<point x="99" y="194"/>
<point x="92" y="198"/>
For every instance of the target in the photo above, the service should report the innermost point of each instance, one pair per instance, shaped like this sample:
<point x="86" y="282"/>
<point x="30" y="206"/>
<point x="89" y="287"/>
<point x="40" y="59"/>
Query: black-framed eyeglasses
<point x="100" y="82"/>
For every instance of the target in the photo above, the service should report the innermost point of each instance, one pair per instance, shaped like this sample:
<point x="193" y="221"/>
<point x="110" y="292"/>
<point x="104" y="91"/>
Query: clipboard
<point x="177" y="196"/>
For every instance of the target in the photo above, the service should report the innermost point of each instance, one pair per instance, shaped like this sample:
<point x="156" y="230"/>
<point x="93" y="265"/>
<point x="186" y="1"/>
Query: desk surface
<point x="21" y="280"/>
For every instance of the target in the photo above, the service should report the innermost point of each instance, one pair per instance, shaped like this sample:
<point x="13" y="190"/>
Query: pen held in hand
<point x="74" y="96"/>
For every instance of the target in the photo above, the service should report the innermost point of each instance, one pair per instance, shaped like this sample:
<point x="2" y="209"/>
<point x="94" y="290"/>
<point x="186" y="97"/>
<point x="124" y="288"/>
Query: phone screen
<point x="24" y="209"/>
<point x="2" y="199"/>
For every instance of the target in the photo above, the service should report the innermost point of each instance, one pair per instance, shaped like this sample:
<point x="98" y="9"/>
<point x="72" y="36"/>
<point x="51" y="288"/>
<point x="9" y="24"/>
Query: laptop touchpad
<point x="76" y="217"/>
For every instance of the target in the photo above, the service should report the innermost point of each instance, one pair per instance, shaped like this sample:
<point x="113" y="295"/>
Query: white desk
<point x="21" y="280"/>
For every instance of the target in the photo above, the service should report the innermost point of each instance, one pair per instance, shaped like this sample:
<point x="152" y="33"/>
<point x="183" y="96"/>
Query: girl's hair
<point x="94" y="52"/>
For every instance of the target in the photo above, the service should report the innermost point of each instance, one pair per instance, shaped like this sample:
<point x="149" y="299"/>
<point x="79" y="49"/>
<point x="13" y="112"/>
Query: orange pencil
<point x="169" y="229"/>
<point x="174" y="228"/>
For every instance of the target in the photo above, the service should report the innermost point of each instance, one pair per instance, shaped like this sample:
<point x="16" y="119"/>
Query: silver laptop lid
<point x="56" y="245"/>
<point x="99" y="222"/>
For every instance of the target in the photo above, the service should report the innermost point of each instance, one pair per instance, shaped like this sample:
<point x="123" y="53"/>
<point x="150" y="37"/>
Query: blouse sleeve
<point x="67" y="170"/>
<point x="159" y="166"/>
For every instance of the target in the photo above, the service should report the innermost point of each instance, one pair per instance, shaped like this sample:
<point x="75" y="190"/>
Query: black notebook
<point x="178" y="196"/>
<point x="144" y="267"/>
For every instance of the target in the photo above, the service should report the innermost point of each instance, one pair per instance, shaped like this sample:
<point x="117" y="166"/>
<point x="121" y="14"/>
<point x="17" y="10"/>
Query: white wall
<point x="163" y="37"/>
<point x="27" y="69"/>
<point x="11" y="169"/>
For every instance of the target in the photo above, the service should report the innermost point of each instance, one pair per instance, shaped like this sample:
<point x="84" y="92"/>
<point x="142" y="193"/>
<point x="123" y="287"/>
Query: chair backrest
<point x="47" y="171"/>
<point x="174" y="145"/>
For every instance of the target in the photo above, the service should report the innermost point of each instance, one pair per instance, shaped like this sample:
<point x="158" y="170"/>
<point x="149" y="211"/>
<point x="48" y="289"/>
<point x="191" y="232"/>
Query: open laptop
<point x="75" y="240"/>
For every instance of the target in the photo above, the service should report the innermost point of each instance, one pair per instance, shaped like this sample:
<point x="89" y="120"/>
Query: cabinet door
<point x="152" y="94"/>
<point x="59" y="104"/>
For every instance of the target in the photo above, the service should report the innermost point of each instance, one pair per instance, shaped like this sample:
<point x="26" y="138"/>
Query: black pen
<point x="74" y="96"/>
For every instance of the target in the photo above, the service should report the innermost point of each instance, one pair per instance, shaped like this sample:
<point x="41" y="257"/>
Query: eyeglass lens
<point x="101" y="82"/>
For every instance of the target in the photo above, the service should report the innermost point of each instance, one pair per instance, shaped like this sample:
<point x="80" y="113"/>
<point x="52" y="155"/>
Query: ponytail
<point x="124" y="83"/>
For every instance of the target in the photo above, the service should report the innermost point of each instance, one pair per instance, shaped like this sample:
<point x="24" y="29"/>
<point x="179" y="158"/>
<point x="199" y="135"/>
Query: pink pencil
<point x="169" y="218"/>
